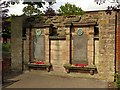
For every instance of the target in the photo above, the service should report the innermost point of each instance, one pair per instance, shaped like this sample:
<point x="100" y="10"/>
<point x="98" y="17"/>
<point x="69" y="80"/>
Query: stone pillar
<point x="68" y="45"/>
<point x="96" y="46"/>
<point x="91" y="46"/>
<point x="16" y="44"/>
<point x="32" y="45"/>
<point x="27" y="46"/>
<point x="47" y="45"/>
<point x="106" y="68"/>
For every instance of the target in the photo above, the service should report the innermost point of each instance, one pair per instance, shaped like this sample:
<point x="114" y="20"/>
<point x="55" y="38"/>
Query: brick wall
<point x="118" y="44"/>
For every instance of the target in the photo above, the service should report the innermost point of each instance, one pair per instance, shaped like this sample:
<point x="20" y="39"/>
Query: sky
<point x="86" y="5"/>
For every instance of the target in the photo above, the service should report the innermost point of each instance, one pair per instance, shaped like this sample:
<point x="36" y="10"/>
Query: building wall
<point x="118" y="43"/>
<point x="100" y="52"/>
<point x="29" y="52"/>
<point x="88" y="33"/>
<point x="106" y="69"/>
<point x="26" y="48"/>
<point x="96" y="53"/>
<point x="105" y="61"/>
<point x="16" y="44"/>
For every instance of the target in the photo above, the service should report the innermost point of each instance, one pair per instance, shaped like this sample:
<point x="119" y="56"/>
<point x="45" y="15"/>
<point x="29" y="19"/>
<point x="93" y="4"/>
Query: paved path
<point x="41" y="79"/>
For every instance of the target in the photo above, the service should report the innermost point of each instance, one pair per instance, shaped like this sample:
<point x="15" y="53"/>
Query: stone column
<point x="47" y="46"/>
<point x="32" y="46"/>
<point x="91" y="46"/>
<point x="26" y="51"/>
<point x="68" y="45"/>
<point x="16" y="44"/>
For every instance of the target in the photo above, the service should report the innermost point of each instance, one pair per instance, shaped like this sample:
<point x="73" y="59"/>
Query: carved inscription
<point x="39" y="50"/>
<point x="80" y="49"/>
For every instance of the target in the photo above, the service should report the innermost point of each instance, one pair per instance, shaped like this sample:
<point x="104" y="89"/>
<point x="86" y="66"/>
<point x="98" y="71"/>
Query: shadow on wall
<point x="7" y="74"/>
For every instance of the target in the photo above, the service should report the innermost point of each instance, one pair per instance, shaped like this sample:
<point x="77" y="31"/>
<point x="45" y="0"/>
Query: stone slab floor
<point x="44" y="79"/>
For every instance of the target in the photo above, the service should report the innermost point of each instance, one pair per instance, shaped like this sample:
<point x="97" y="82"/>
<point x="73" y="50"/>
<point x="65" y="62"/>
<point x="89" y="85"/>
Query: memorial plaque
<point x="39" y="48"/>
<point x="80" y="49"/>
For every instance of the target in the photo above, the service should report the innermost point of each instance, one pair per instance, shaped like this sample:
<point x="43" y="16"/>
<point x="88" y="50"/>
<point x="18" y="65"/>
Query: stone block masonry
<point x="16" y="44"/>
<point x="100" y="50"/>
<point x="106" y="66"/>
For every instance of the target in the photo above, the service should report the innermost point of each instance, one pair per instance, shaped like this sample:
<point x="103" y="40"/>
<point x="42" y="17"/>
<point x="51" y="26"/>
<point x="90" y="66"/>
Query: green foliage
<point x="50" y="12"/>
<point x="118" y="83"/>
<point x="6" y="27"/>
<point x="117" y="80"/>
<point x="31" y="10"/>
<point x="70" y="9"/>
<point x="6" y="47"/>
<point x="6" y="3"/>
<point x="6" y="50"/>
<point x="51" y="2"/>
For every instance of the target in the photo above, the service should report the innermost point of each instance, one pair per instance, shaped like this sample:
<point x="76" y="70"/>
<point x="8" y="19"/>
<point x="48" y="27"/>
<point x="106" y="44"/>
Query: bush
<point x="117" y="80"/>
<point x="6" y="47"/>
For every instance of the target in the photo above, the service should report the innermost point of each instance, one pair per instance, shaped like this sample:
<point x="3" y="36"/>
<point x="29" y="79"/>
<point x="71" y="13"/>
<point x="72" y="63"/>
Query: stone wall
<point x="105" y="45"/>
<point x="34" y="40"/>
<point x="100" y="52"/>
<point x="16" y="44"/>
<point x="26" y="48"/>
<point x="47" y="46"/>
<point x="68" y="45"/>
<point x="106" y="69"/>
<point x="88" y="37"/>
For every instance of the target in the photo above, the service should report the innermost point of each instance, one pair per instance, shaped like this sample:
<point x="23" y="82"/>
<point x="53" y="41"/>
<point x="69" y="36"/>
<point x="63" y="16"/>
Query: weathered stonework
<point x="67" y="45"/>
<point x="106" y="47"/>
<point x="26" y="49"/>
<point x="47" y="48"/>
<point x="16" y="44"/>
<point x="100" y="49"/>
<point x="91" y="46"/>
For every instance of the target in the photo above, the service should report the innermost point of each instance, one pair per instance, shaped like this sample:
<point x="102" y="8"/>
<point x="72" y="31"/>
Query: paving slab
<point x="43" y="79"/>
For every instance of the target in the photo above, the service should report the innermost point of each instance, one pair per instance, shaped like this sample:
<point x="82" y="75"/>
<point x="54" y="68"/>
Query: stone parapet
<point x="67" y="45"/>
